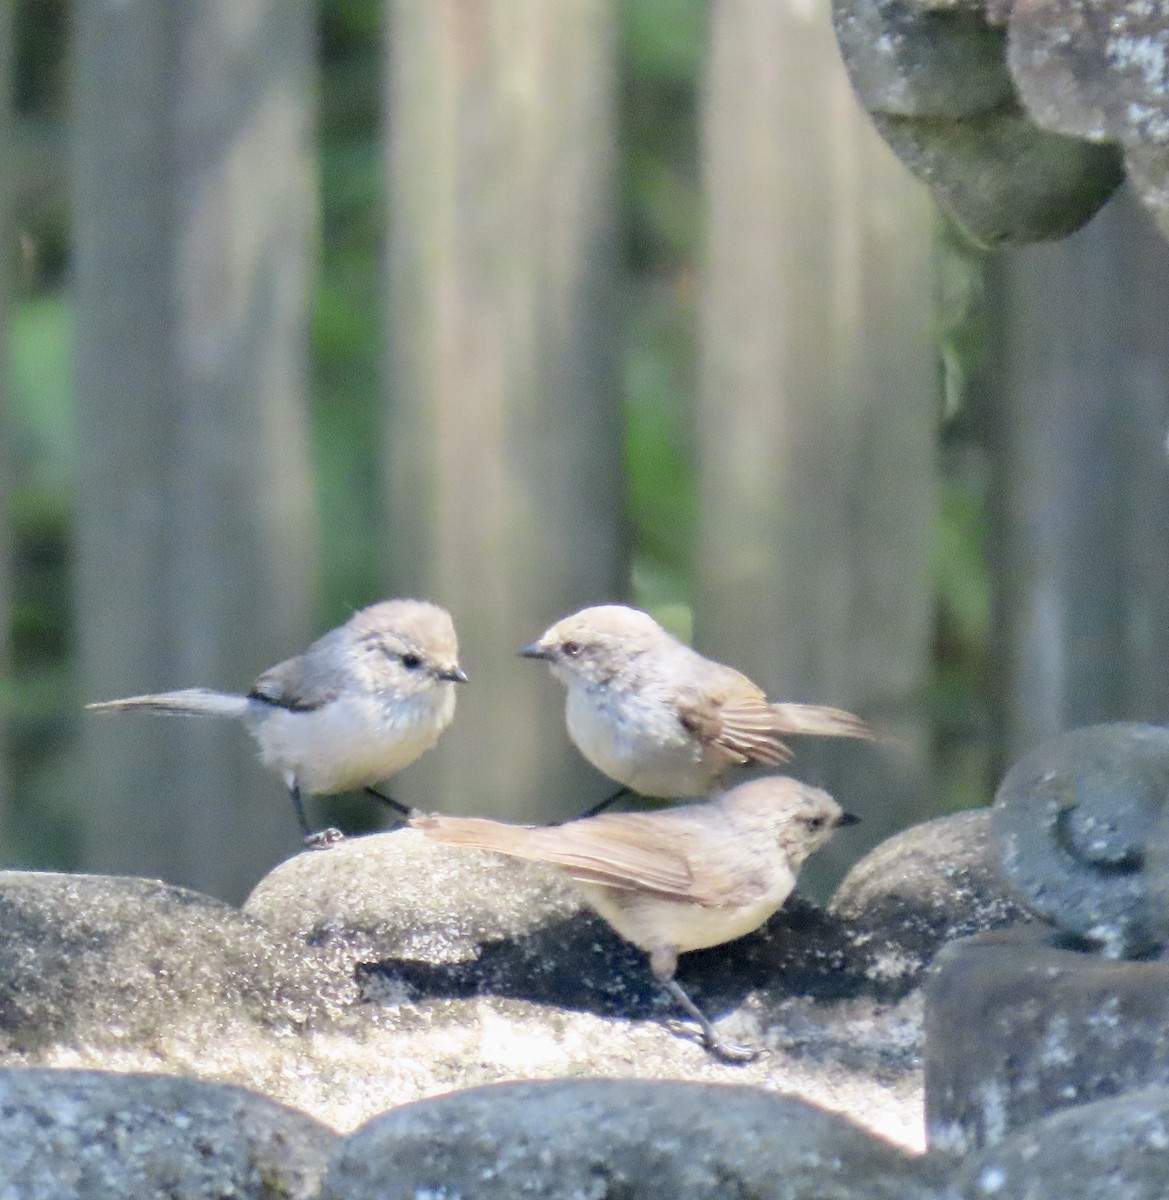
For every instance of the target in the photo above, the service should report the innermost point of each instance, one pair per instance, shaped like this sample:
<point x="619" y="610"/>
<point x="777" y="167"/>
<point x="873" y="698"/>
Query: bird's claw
<point x="731" y="1052"/>
<point x="713" y="1043"/>
<point x="323" y="838"/>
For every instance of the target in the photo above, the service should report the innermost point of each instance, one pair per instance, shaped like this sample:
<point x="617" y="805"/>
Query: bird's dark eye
<point x="816" y="823"/>
<point x="570" y="649"/>
<point x="411" y="661"/>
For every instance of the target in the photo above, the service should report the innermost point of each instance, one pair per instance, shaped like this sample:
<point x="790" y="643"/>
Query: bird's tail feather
<point x="473" y="831"/>
<point x="188" y="702"/>
<point x="818" y="719"/>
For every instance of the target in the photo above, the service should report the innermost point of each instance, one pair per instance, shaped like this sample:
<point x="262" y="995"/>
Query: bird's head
<point x="597" y="645"/>
<point x="801" y="818"/>
<point x="407" y="646"/>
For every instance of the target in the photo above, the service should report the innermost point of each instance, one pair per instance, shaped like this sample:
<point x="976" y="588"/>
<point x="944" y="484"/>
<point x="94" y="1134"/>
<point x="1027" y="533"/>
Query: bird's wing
<point x="634" y="852"/>
<point x="289" y="685"/>
<point x="731" y="716"/>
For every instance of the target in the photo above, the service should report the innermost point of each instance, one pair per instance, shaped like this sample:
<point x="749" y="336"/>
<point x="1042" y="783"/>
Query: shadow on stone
<point x="579" y="963"/>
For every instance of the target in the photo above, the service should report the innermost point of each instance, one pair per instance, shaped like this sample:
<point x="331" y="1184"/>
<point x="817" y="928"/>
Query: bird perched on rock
<point x="363" y="701"/>
<point x="679" y="879"/>
<point x="657" y="716"/>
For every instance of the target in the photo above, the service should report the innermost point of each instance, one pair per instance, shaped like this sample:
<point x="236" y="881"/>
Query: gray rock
<point x="1101" y="72"/>
<point x="575" y="1138"/>
<point x="908" y="59"/>
<point x="134" y="975"/>
<point x="1147" y="166"/>
<point x="1017" y="1028"/>
<point x="399" y="894"/>
<point x="91" y="1134"/>
<point x="1065" y="75"/>
<point x="934" y="76"/>
<point x="467" y="924"/>
<point x="1022" y="137"/>
<point x="112" y="962"/>
<point x="1117" y="1148"/>
<point x="475" y="969"/>
<point x="1004" y="179"/>
<point x="926" y="886"/>
<point x="389" y="969"/>
<point x="1073" y="820"/>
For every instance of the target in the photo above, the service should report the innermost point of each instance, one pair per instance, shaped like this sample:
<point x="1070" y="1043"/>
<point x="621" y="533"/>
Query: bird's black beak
<point x="847" y="818"/>
<point x="535" y="650"/>
<point x="454" y="675"/>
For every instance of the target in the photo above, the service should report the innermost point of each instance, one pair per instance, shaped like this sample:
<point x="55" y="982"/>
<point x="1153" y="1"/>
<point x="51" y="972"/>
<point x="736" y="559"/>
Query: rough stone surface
<point x="68" y="1134"/>
<point x="906" y="59"/>
<point x="935" y="79"/>
<point x="926" y="886"/>
<point x="1073" y="819"/>
<point x="599" y="1138"/>
<point x="1094" y="68"/>
<point x="389" y="969"/>
<point x="1017" y="1028"/>
<point x="108" y="962"/>
<point x="367" y="899"/>
<point x="1100" y="69"/>
<point x="475" y="969"/>
<point x="1004" y="180"/>
<point x="1147" y="168"/>
<point x="1118" y="1148"/>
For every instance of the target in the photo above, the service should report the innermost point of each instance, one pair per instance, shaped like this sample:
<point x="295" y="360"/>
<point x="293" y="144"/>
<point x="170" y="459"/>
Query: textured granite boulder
<point x="1017" y="1027"/>
<point x="474" y="969"/>
<point x="1118" y="1148"/>
<point x="1022" y="117"/>
<point x="909" y="58"/>
<point x="934" y="76"/>
<point x="109" y="964"/>
<point x="1100" y="69"/>
<point x="388" y="969"/>
<point x="92" y="1134"/>
<point x="399" y="894"/>
<point x="926" y="886"/>
<point x="652" y="1141"/>
<point x="1074" y="820"/>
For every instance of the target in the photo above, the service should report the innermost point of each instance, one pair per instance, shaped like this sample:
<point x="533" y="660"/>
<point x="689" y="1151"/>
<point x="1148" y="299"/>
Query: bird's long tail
<point x="475" y="831"/>
<point x="818" y="719"/>
<point x="188" y="702"/>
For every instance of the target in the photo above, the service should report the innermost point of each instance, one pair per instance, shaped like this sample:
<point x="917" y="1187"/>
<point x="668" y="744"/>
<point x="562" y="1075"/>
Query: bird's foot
<point x="323" y="838"/>
<point x="729" y="1052"/>
<point x="734" y="1053"/>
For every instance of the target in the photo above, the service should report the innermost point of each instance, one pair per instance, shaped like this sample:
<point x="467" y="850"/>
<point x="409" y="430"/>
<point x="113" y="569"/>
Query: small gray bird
<point x="363" y="701"/>
<point x="660" y="719"/>
<point x="679" y="879"/>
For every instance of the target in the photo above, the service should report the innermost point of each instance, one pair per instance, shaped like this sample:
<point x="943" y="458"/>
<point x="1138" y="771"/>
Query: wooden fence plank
<point x="817" y="406"/>
<point x="1080" y="545"/>
<point x="194" y="207"/>
<point x="504" y="428"/>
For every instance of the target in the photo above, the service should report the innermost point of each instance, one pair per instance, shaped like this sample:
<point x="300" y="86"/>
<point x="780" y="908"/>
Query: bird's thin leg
<point x="727" y="1051"/>
<point x="322" y="839"/>
<point x="294" y="794"/>
<point x="619" y="794"/>
<point x="401" y="809"/>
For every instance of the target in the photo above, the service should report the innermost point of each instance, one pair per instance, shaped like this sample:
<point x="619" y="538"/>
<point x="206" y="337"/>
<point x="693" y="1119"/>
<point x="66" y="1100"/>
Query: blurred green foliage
<point x="661" y="47"/>
<point x="348" y="314"/>
<point x="959" y="688"/>
<point x="39" y="716"/>
<point x="661" y="52"/>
